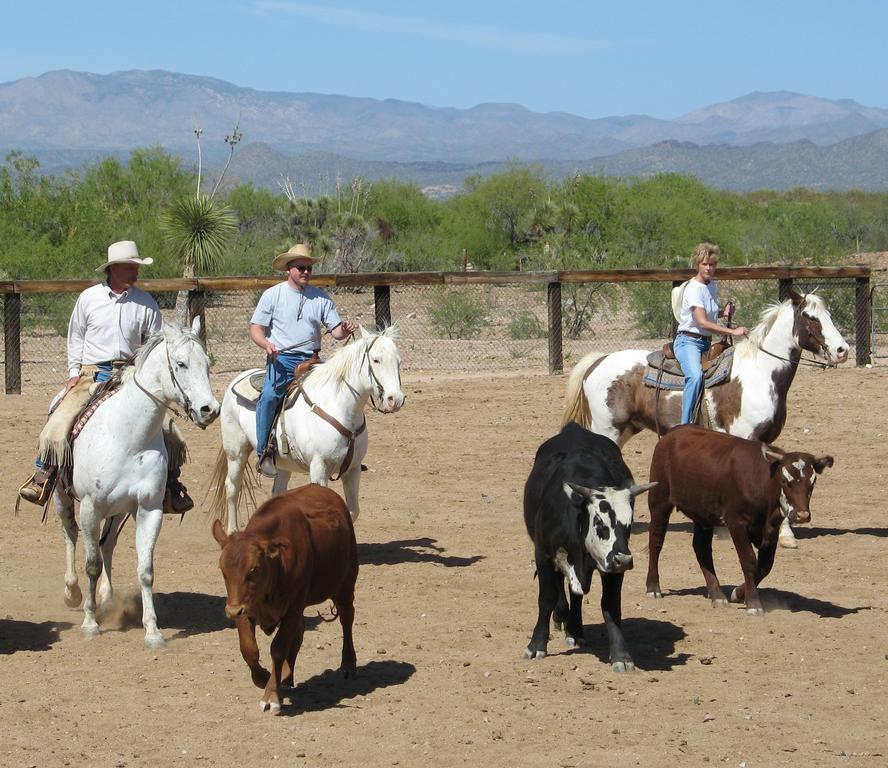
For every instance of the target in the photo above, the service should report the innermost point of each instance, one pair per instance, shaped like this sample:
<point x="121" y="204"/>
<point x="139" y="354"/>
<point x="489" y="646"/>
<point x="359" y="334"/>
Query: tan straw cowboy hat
<point x="123" y="252"/>
<point x="298" y="251"/>
<point x="677" y="299"/>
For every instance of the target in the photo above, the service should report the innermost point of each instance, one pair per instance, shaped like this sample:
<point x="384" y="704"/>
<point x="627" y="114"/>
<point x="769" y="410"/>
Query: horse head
<point x="189" y="374"/>
<point x="382" y="363"/>
<point x="814" y="329"/>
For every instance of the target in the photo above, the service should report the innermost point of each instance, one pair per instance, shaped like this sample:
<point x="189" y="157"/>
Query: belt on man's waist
<point x="694" y="335"/>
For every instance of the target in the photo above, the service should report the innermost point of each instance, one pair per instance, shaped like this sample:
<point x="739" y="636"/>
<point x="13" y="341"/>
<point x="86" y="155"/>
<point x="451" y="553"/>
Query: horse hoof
<point x="90" y="631"/>
<point x="73" y="596"/>
<point x="155" y="642"/>
<point x="755" y="611"/>
<point x="623" y="666"/>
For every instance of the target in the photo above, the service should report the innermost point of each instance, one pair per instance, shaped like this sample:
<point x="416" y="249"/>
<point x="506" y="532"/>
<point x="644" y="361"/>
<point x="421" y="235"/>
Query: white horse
<point x="607" y="393"/>
<point x="323" y="432"/>
<point x="120" y="465"/>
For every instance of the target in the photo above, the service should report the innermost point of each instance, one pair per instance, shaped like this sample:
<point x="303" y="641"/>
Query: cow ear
<point x="822" y="463"/>
<point x="273" y="549"/>
<point x="219" y="533"/>
<point x="576" y="493"/>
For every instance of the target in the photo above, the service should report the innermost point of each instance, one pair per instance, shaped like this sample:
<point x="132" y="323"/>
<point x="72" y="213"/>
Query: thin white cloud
<point x="483" y="36"/>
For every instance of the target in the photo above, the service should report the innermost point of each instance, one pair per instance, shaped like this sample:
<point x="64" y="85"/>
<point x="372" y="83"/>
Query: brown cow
<point x="297" y="550"/>
<point x="718" y="479"/>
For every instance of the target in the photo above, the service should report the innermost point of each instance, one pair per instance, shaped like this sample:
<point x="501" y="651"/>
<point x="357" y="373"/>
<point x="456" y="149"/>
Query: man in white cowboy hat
<point x="287" y="325"/>
<point x="109" y="323"/>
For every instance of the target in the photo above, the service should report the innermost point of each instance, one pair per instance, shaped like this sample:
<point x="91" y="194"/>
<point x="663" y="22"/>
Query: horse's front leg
<point x="90" y="523"/>
<point x="280" y="482"/>
<point x="64" y="505"/>
<point x="319" y="470"/>
<point x="351" y="481"/>
<point x="148" y="522"/>
<point x="108" y="541"/>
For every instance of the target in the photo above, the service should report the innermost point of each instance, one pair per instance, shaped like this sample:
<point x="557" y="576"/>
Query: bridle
<point x="186" y="401"/>
<point x="817" y="338"/>
<point x="374" y="380"/>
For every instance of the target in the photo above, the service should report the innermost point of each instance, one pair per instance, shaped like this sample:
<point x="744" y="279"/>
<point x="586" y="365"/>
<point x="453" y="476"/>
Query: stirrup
<point x="36" y="492"/>
<point x="176" y="500"/>
<point x="266" y="466"/>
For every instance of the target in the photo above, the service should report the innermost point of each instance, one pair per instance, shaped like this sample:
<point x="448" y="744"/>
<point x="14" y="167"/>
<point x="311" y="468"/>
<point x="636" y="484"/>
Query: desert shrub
<point x="455" y="316"/>
<point x="526" y="325"/>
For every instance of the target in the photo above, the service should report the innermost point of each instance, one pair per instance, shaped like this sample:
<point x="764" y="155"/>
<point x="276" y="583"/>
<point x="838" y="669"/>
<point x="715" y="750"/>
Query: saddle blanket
<point x="673" y="378"/>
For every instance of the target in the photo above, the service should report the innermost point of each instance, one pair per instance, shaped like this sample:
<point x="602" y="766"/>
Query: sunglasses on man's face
<point x="302" y="267"/>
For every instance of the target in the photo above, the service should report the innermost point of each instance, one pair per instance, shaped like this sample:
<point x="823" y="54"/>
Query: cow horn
<point x="637" y="490"/>
<point x="771" y="454"/>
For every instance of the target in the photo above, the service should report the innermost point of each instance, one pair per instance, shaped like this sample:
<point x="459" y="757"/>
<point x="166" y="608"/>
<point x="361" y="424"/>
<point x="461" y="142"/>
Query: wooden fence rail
<point x="381" y="282"/>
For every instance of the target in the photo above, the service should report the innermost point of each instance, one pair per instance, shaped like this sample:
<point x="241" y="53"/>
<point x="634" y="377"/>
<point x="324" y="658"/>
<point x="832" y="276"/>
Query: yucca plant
<point x="196" y="229"/>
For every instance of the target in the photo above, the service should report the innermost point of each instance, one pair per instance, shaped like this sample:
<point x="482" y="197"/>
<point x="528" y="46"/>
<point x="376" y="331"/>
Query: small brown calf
<point x="718" y="479"/>
<point x="298" y="549"/>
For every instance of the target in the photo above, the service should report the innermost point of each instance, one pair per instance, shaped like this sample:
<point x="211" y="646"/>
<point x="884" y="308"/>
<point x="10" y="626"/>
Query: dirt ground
<point x="445" y="605"/>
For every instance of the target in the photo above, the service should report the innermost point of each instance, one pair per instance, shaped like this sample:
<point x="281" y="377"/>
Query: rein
<point x="800" y="361"/>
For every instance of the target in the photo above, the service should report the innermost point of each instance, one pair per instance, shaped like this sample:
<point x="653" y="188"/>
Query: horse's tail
<point x="576" y="404"/>
<point x="218" y="507"/>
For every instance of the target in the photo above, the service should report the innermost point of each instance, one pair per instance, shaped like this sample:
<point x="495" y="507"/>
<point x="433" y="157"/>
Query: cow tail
<point x="576" y="405"/>
<point x="334" y="614"/>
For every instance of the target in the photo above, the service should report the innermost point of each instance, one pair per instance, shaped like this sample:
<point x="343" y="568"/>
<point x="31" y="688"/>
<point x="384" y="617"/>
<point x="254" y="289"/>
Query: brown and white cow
<point x="298" y="549"/>
<point x="717" y="479"/>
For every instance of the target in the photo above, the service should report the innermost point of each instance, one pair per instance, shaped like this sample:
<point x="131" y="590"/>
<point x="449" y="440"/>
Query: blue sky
<point x="589" y="58"/>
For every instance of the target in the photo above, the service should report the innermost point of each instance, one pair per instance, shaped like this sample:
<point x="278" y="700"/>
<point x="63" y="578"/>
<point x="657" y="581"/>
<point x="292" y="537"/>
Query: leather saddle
<point x="248" y="388"/>
<point x="663" y="371"/>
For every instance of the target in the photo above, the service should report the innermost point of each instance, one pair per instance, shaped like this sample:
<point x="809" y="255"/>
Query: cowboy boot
<point x="176" y="500"/>
<point x="38" y="488"/>
<point x="266" y="466"/>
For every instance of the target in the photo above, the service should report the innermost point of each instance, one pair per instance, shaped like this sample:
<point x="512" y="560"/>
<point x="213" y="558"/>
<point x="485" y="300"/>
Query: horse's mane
<point x="338" y="366"/>
<point x="154" y="341"/>
<point x="751" y="345"/>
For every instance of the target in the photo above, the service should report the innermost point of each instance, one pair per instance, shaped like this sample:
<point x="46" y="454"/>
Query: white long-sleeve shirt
<point x="107" y="326"/>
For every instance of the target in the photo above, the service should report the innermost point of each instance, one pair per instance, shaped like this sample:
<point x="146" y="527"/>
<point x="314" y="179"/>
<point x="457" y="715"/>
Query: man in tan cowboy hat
<point x="109" y="323"/>
<point x="287" y="325"/>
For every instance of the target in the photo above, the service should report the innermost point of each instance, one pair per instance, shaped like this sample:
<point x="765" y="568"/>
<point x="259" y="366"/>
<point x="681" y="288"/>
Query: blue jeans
<point x="688" y="351"/>
<point x="278" y="373"/>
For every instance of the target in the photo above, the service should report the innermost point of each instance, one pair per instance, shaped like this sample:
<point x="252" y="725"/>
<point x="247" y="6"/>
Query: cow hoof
<point x="755" y="611"/>
<point x="656" y="594"/>
<point x="735" y="596"/>
<point x="270" y="706"/>
<point x="531" y="654"/>
<point x="263" y="706"/>
<point x="623" y="666"/>
<point x="720" y="602"/>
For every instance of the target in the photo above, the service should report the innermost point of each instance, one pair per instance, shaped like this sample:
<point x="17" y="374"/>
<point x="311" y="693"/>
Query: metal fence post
<point x="197" y="307"/>
<point x="784" y="288"/>
<point x="863" y="319"/>
<point x="382" y="306"/>
<point x="556" y="359"/>
<point x="12" y="342"/>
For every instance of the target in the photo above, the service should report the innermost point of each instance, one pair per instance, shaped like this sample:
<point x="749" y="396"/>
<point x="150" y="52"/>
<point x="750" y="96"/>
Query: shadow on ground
<point x="422" y="550"/>
<point x="29" y="635"/>
<point x="775" y="600"/>
<point x="330" y="689"/>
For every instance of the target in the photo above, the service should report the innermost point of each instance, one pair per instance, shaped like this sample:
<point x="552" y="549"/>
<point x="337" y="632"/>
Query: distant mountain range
<point x="775" y="140"/>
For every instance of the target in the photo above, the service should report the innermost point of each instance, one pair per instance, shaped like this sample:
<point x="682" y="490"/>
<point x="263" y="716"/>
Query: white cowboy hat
<point x="298" y="251"/>
<point x="124" y="252"/>
<point x="677" y="298"/>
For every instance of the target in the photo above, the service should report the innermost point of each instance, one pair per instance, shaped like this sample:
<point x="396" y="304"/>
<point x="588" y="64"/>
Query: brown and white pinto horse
<point x="605" y="392"/>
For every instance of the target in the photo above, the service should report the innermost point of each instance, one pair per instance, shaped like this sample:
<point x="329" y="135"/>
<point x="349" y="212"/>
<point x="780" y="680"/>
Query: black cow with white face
<point x="578" y="504"/>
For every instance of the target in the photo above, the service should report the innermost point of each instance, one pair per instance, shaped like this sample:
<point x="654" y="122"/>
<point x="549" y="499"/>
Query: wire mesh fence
<point x="450" y="327"/>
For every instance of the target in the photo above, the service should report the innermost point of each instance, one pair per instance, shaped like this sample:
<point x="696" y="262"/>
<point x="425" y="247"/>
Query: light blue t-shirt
<point x="698" y="294"/>
<point x="294" y="318"/>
